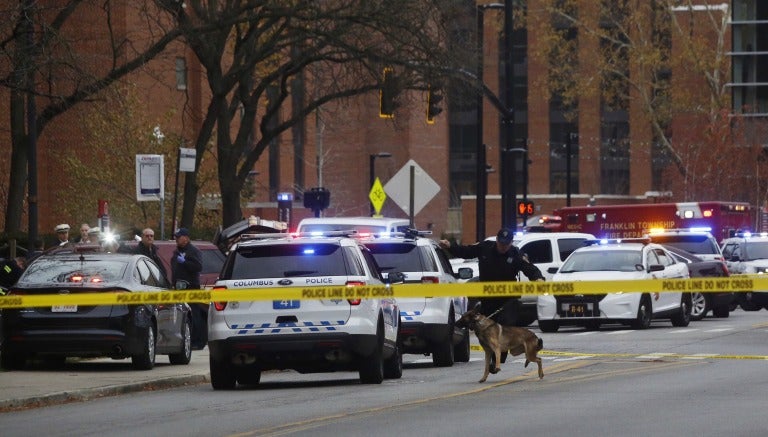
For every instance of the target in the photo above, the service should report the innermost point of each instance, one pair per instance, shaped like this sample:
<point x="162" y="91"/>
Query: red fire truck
<point x="629" y="221"/>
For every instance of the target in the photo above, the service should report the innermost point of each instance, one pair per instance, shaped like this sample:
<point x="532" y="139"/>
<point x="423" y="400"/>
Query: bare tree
<point x="270" y="64"/>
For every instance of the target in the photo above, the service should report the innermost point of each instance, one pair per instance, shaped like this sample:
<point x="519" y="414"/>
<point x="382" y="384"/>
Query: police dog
<point x="496" y="338"/>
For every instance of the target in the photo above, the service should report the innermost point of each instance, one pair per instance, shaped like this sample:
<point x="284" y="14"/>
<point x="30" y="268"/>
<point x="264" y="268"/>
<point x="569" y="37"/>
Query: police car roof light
<point x="653" y="231"/>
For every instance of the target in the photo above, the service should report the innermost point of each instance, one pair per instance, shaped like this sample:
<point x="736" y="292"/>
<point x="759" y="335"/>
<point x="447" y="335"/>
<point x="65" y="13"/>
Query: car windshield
<point x="700" y="244"/>
<point x="609" y="260"/>
<point x="756" y="250"/>
<point x="396" y="257"/>
<point x="72" y="271"/>
<point x="288" y="261"/>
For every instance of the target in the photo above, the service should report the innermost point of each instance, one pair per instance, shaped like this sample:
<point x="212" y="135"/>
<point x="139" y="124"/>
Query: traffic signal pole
<point x="508" y="189"/>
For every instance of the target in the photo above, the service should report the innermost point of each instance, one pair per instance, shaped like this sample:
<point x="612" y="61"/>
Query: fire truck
<point x="723" y="219"/>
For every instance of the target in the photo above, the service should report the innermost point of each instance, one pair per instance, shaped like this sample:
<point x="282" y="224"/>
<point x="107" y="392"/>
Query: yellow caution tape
<point x="738" y="283"/>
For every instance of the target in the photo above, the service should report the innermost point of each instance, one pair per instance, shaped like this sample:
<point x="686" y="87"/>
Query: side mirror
<point x="735" y="258"/>
<point x="395" y="278"/>
<point x="655" y="268"/>
<point x="465" y="273"/>
<point x="553" y="270"/>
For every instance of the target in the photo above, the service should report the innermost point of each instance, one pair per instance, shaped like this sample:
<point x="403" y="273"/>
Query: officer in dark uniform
<point x="186" y="264"/>
<point x="497" y="261"/>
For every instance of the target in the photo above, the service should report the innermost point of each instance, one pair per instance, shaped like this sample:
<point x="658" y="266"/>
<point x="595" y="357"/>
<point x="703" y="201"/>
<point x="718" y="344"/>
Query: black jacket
<point x="190" y="269"/>
<point x="495" y="266"/>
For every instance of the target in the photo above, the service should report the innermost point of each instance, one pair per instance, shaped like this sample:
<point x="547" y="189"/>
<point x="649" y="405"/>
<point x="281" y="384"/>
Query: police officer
<point x="497" y="261"/>
<point x="186" y="265"/>
<point x="62" y="233"/>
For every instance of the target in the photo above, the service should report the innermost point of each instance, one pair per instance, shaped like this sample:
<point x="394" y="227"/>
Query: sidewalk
<point x="84" y="380"/>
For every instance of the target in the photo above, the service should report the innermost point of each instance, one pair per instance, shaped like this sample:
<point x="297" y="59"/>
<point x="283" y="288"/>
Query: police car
<point x="747" y="253"/>
<point x="608" y="260"/>
<point x="428" y="323"/>
<point x="323" y="335"/>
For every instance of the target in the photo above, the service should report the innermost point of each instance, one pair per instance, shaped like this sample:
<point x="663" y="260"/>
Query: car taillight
<point x="355" y="284"/>
<point x="218" y="306"/>
<point x="430" y="280"/>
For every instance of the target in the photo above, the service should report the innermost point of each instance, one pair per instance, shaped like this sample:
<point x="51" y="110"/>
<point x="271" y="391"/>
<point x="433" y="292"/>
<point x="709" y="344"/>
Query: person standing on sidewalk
<point x="186" y="265"/>
<point x="147" y="247"/>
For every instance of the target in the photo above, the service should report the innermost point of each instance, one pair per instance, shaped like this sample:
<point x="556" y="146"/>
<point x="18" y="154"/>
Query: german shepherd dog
<point x="496" y="338"/>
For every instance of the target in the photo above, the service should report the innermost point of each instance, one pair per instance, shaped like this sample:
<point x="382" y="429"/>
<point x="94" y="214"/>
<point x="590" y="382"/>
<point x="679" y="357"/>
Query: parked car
<point x="56" y="332"/>
<point x="747" y="253"/>
<point x="701" y="303"/>
<point x="322" y="335"/>
<point x="613" y="260"/>
<point x="428" y="323"/>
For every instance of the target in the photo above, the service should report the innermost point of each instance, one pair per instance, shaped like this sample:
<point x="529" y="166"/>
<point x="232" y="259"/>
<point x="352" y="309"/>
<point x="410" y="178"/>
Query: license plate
<point x="285" y="304"/>
<point x="578" y="310"/>
<point x="64" y="309"/>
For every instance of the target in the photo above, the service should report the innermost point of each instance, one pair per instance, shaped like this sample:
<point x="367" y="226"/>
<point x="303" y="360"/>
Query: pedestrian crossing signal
<point x="525" y="207"/>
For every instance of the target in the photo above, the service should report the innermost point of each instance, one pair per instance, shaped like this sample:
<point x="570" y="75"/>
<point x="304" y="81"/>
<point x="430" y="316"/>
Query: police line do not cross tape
<point x="739" y="283"/>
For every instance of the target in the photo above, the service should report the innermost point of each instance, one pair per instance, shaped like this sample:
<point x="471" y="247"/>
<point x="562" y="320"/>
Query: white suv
<point x="248" y="337"/>
<point x="747" y="253"/>
<point x="428" y="323"/>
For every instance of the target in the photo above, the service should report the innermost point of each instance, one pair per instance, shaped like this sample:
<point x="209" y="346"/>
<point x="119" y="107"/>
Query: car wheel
<point x="683" y="316"/>
<point x="461" y="351"/>
<point x="393" y="366"/>
<point x="644" y="313"/>
<point x="222" y="374"/>
<point x="372" y="367"/>
<point x="185" y="355"/>
<point x="146" y="359"/>
<point x="721" y="311"/>
<point x="699" y="306"/>
<point x="442" y="353"/>
<point x="548" y="325"/>
<point x="747" y="304"/>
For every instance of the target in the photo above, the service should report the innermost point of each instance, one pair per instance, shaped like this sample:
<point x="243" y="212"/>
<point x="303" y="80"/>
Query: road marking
<point x="626" y="331"/>
<point x="683" y="331"/>
<point x="719" y="330"/>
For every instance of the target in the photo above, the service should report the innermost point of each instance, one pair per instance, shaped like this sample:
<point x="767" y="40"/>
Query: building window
<point x="181" y="74"/>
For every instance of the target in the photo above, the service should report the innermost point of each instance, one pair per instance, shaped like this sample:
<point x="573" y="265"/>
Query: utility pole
<point x="508" y="189"/>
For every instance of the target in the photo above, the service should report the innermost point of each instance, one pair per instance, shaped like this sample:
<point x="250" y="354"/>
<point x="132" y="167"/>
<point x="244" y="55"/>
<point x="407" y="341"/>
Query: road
<point x="708" y="379"/>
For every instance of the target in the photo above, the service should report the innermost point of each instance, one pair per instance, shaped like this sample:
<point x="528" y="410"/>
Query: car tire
<point x="548" y="325"/>
<point x="682" y="318"/>
<point x="699" y="306"/>
<point x="146" y="359"/>
<point x="222" y="374"/>
<point x="393" y="366"/>
<point x="721" y="311"/>
<point x="461" y="351"/>
<point x="185" y="355"/>
<point x="644" y="313"/>
<point x="746" y="303"/>
<point x="372" y="367"/>
<point x="442" y="353"/>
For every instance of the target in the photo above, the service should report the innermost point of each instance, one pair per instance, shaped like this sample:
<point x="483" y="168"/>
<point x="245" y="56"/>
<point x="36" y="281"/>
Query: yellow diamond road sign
<point x="377" y="196"/>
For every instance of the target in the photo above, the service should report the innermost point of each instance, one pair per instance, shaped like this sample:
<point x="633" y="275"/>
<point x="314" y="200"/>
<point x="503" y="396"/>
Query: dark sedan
<point x="53" y="333"/>
<point x="718" y="302"/>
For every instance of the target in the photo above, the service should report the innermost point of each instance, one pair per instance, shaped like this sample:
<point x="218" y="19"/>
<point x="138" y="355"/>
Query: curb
<point x="100" y="392"/>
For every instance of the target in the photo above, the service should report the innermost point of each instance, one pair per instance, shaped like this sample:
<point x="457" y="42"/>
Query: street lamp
<point x="481" y="176"/>
<point x="371" y="170"/>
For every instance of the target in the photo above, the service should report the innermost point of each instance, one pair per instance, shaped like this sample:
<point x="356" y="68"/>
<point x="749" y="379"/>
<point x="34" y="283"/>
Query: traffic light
<point x="433" y="104"/>
<point x="525" y="207"/>
<point x="317" y="199"/>
<point x="388" y="94"/>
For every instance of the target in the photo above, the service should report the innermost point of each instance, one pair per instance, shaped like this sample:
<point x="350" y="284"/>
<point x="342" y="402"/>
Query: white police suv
<point x="747" y="254"/>
<point x="309" y="336"/>
<point x="609" y="260"/>
<point x="428" y="323"/>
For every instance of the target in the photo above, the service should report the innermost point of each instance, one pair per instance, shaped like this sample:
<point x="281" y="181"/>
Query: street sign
<point x="377" y="196"/>
<point x="399" y="188"/>
<point x="150" y="179"/>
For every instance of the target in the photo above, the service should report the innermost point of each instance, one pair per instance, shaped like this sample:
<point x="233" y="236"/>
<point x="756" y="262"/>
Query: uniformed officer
<point x="62" y="233"/>
<point x="497" y="261"/>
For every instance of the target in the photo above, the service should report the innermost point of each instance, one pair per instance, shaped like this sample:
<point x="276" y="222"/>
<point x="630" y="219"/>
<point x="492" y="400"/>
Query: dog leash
<point x="490" y="316"/>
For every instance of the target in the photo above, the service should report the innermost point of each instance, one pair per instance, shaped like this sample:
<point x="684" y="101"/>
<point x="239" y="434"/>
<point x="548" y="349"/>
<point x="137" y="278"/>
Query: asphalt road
<point x="707" y="379"/>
